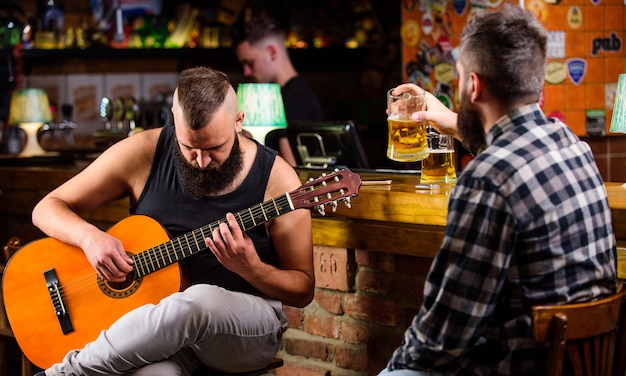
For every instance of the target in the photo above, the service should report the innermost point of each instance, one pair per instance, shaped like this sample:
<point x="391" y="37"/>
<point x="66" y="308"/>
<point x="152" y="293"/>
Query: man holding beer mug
<point x="528" y="219"/>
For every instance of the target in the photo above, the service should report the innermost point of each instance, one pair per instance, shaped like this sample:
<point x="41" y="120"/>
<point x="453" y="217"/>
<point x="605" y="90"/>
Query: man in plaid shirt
<point x="528" y="220"/>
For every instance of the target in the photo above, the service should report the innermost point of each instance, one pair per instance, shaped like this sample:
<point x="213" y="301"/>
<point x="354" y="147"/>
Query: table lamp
<point x="29" y="110"/>
<point x="263" y="107"/>
<point x="618" y="120"/>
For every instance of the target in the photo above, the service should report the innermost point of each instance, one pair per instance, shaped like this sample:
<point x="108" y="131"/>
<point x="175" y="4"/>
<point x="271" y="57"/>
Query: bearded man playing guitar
<point x="184" y="176"/>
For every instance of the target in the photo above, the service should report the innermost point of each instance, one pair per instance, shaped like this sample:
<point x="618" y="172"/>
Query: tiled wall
<point x="586" y="37"/>
<point x="585" y="58"/>
<point x="586" y="55"/>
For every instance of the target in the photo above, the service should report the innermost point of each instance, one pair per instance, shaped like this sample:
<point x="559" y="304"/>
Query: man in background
<point x="260" y="47"/>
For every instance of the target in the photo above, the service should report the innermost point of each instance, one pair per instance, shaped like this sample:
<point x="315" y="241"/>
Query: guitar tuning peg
<point x="334" y="204"/>
<point x="347" y="202"/>
<point x="321" y="210"/>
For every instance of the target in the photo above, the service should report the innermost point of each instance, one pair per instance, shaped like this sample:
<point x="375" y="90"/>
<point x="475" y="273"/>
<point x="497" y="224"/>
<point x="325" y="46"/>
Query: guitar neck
<point x="188" y="244"/>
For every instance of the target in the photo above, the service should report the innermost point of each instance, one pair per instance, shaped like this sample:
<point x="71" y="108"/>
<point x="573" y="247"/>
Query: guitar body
<point x="92" y="304"/>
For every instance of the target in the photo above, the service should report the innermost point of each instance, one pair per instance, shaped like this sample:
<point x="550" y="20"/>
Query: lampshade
<point x="29" y="109"/>
<point x="263" y="107"/>
<point x="29" y="106"/>
<point x="618" y="121"/>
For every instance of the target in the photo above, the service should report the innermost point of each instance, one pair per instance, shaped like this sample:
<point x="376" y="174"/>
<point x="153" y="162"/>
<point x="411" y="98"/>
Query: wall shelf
<point x="109" y="60"/>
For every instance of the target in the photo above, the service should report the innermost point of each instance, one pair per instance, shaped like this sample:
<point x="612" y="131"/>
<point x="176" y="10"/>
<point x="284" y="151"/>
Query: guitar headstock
<point x="328" y="189"/>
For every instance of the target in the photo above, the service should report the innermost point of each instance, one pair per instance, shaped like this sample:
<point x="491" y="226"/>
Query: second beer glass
<point x="439" y="166"/>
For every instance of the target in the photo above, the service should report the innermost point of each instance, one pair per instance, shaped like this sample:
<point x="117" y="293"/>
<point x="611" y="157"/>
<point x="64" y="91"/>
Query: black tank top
<point x="165" y="199"/>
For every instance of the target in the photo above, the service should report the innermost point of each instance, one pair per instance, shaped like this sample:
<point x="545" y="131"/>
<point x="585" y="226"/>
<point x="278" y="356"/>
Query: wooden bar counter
<point x="399" y="218"/>
<point x="392" y="218"/>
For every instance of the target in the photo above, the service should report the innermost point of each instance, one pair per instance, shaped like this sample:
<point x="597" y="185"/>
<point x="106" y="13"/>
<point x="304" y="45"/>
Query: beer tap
<point x="118" y="112"/>
<point x="131" y="114"/>
<point x="106" y="112"/>
<point x="67" y="125"/>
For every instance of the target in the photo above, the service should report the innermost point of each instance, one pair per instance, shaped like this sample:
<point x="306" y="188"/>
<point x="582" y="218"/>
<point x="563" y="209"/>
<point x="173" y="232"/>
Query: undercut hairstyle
<point x="507" y="48"/>
<point x="259" y="28"/>
<point x="201" y="92"/>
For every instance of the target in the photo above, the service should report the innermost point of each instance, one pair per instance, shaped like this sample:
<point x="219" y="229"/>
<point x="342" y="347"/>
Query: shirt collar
<point x="530" y="112"/>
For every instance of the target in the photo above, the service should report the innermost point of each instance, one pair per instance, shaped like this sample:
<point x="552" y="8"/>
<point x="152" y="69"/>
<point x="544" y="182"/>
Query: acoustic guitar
<point x="55" y="302"/>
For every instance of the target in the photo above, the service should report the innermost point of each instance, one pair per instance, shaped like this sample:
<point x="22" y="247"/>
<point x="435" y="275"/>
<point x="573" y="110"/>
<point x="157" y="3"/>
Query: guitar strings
<point x="246" y="220"/>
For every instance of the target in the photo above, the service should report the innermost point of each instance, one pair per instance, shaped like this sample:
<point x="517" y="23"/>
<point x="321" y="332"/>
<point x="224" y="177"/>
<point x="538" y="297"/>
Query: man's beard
<point x="213" y="179"/>
<point x="470" y="127"/>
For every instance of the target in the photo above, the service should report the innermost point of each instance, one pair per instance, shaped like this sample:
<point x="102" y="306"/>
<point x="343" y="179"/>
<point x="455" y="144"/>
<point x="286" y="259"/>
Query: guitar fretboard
<point x="188" y="244"/>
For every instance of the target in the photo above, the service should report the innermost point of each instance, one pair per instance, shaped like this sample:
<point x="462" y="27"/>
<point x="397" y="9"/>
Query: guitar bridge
<point x="56" y="296"/>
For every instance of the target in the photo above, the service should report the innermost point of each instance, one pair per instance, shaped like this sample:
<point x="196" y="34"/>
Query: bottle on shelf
<point x="50" y="33"/>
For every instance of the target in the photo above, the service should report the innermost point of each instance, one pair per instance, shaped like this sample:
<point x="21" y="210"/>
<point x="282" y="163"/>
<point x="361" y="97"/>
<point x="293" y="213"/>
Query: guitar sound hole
<point x="120" y="290"/>
<point x="121" y="285"/>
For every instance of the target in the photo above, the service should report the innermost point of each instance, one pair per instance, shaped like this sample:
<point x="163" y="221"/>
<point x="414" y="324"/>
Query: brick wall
<point x="610" y="156"/>
<point x="363" y="303"/>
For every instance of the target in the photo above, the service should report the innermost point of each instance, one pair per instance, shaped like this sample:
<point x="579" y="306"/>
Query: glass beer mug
<point x="407" y="141"/>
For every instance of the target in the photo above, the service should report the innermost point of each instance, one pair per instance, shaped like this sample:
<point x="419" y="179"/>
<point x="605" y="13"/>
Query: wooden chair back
<point x="584" y="338"/>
